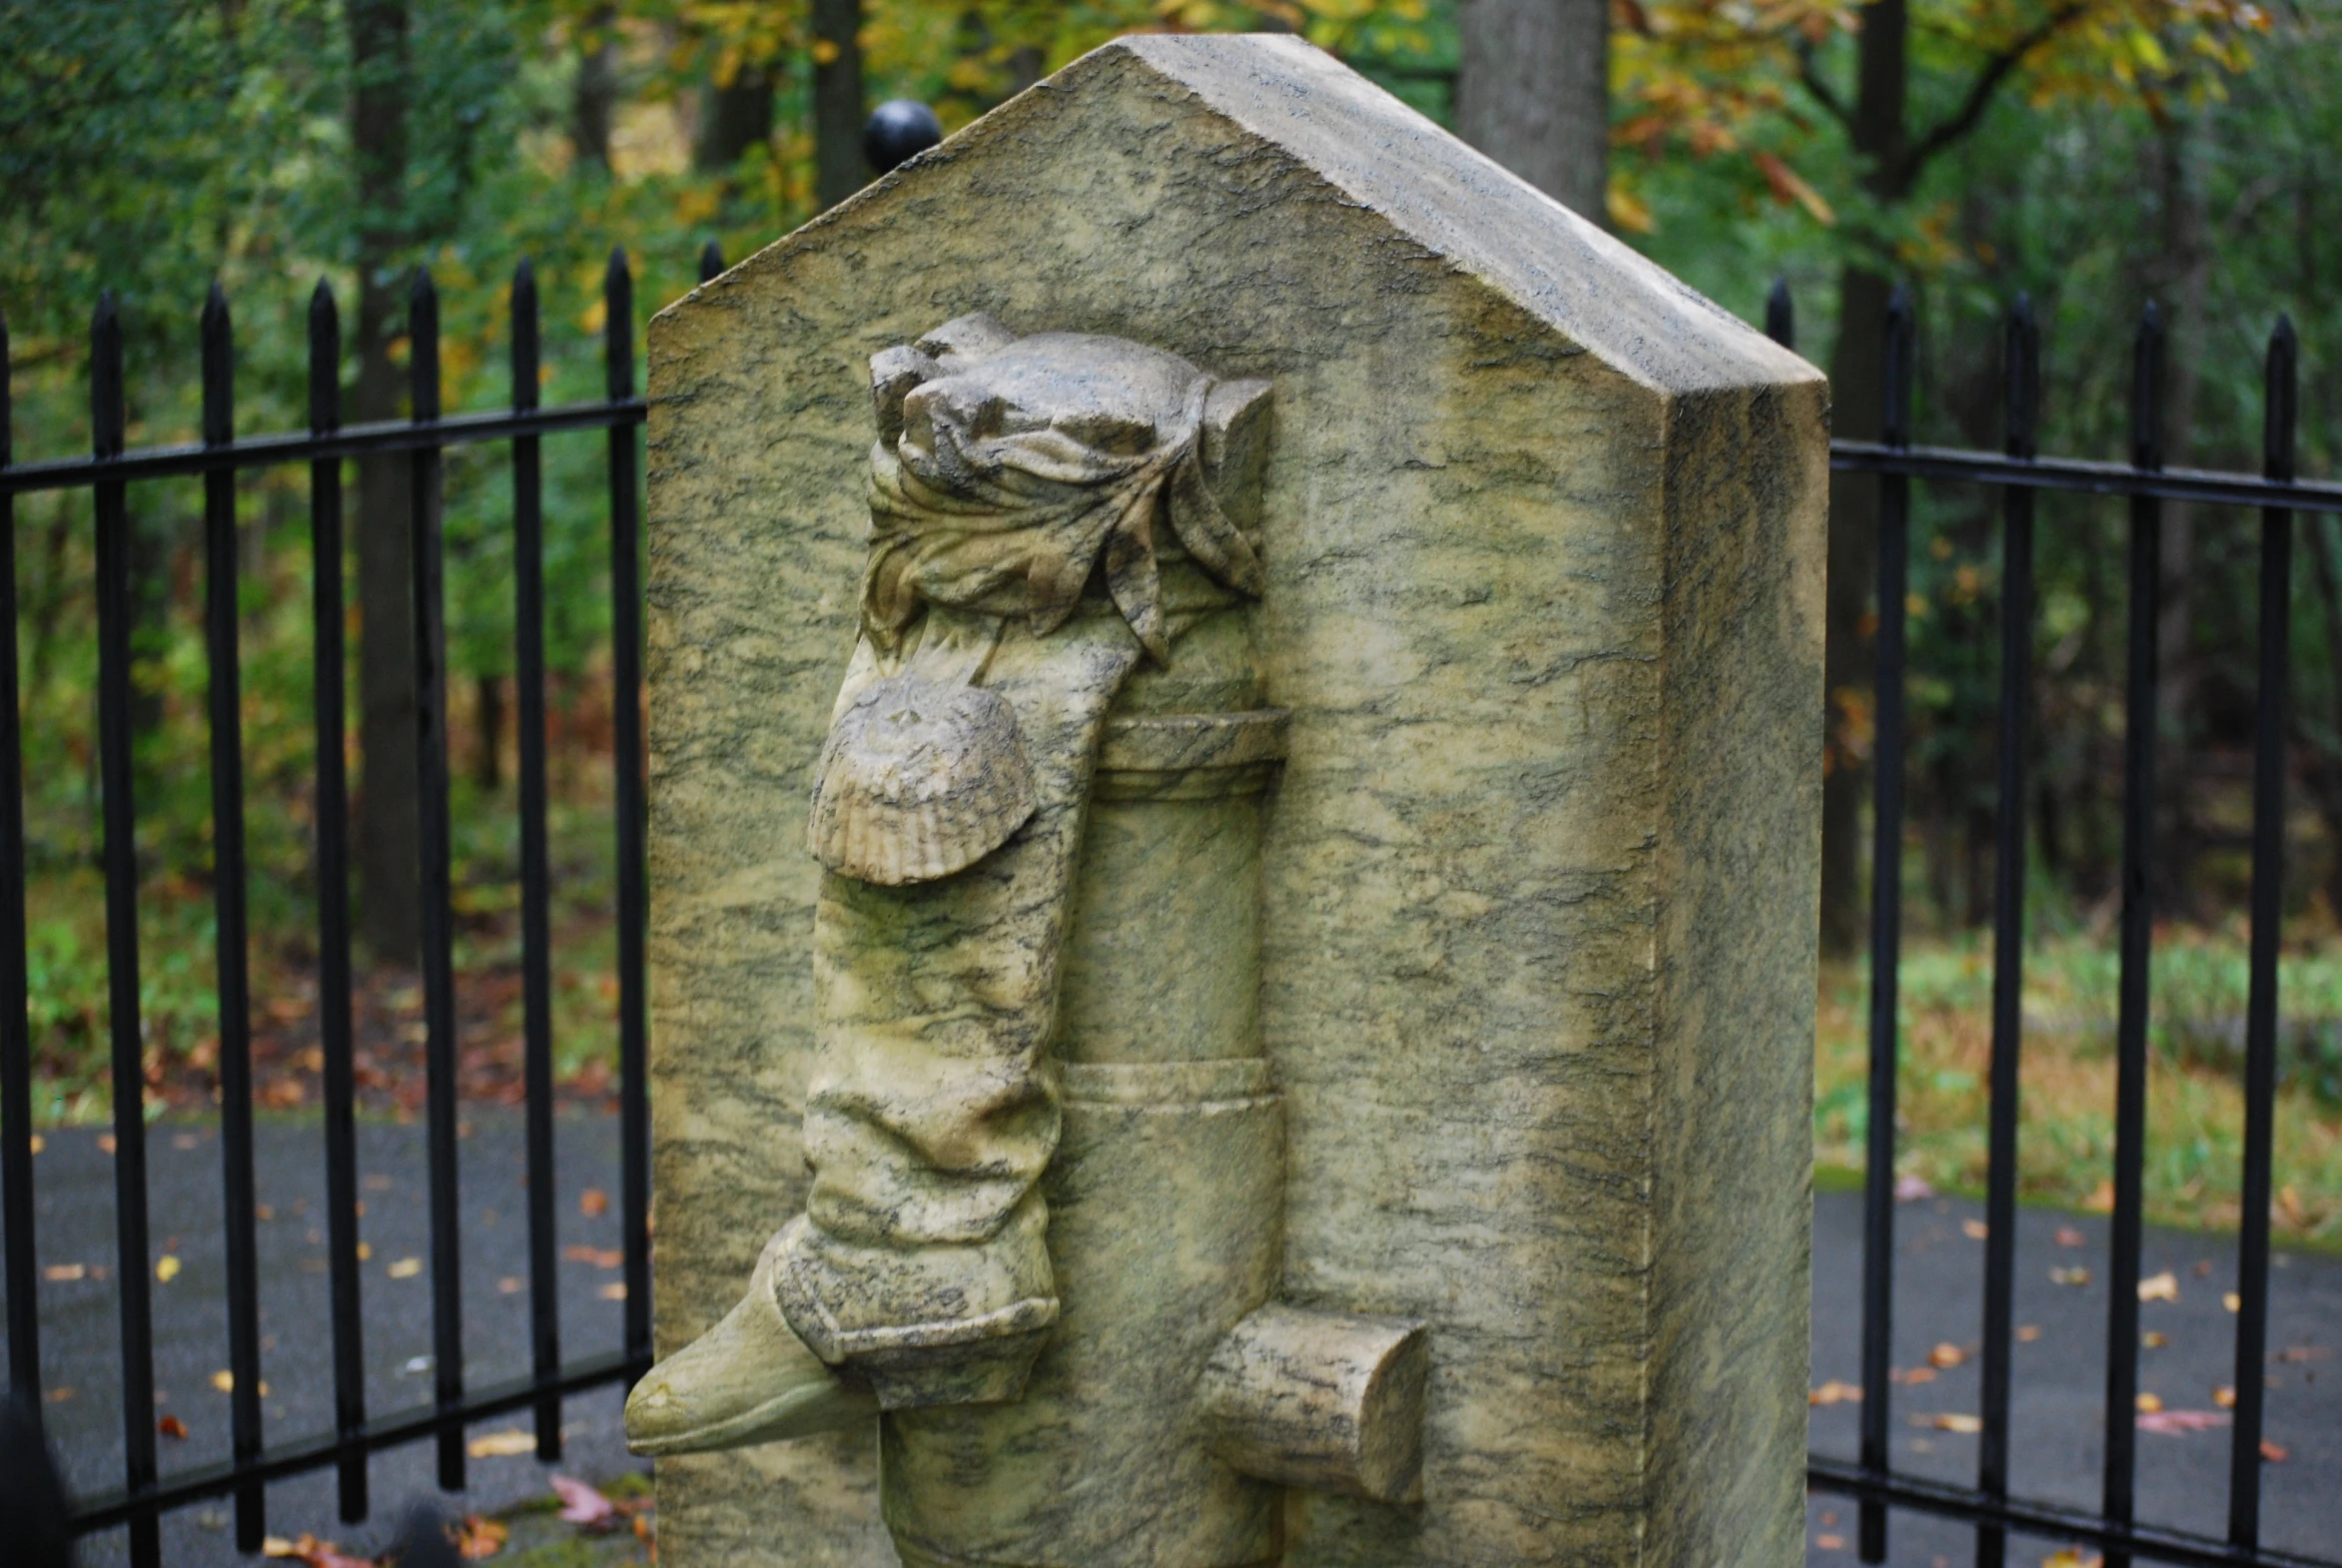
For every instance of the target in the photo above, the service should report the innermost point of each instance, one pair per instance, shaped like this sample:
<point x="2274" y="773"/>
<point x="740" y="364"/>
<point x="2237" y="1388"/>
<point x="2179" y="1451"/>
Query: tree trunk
<point x="386" y="835"/>
<point x="593" y="95"/>
<point x="838" y="166"/>
<point x="2183" y="274"/>
<point x="738" y="115"/>
<point x="1532" y="91"/>
<point x="1858" y="380"/>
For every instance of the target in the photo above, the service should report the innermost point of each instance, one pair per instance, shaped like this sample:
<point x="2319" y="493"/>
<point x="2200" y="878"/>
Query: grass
<point x="2195" y="1104"/>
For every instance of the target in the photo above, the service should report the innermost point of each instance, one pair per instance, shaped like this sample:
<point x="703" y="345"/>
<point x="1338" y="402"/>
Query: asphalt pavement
<point x="2061" y="1363"/>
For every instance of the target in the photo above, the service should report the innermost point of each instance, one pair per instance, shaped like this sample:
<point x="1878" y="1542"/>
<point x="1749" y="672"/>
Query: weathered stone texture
<point x="1543" y="543"/>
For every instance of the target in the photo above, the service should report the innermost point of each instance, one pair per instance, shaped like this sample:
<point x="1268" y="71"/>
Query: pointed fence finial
<point x="106" y="416"/>
<point x="2021" y="361"/>
<point x="325" y="359"/>
<point x="1781" y="315"/>
<point x="711" y="262"/>
<point x="2281" y="401"/>
<point x="219" y="369"/>
<point x="618" y="327"/>
<point x="423" y="345"/>
<point x="1901" y="332"/>
<point x="2147" y="390"/>
<point x="525" y="336"/>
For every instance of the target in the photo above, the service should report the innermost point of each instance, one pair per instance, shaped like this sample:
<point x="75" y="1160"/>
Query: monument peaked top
<point x="1462" y="204"/>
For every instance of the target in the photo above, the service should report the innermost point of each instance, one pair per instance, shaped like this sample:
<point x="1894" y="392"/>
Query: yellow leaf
<point x="364" y="1249"/>
<point x="616" y="1290"/>
<point x="2231" y="1301"/>
<point x="1628" y="212"/>
<point x="2224" y="1397"/>
<point x="1967" y="1424"/>
<point x="2149" y="1404"/>
<point x="503" y="1444"/>
<point x="406" y="1269"/>
<point x="1947" y="1355"/>
<point x="223" y="1381"/>
<point x="2159" y="1287"/>
<point x="166" y="1267"/>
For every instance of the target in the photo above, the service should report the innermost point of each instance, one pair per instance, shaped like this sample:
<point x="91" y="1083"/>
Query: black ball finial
<point x="899" y="129"/>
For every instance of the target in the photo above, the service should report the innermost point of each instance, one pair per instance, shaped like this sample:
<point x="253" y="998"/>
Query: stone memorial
<point x="1234" y="724"/>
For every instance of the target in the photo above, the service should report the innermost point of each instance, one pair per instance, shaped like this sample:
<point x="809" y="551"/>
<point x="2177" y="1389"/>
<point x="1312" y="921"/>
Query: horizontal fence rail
<point x="2146" y="484"/>
<point x="145" y="1494"/>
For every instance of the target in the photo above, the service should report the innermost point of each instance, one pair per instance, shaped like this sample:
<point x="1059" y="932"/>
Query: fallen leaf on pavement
<point x="1912" y="1189"/>
<point x="2232" y="1300"/>
<point x="1950" y="1422"/>
<point x="2159" y="1287"/>
<point x="59" y="1394"/>
<point x="1975" y="1230"/>
<point x="600" y="1256"/>
<point x="309" y="1549"/>
<point x="166" y="1267"/>
<point x="2068" y="1236"/>
<point x="2149" y="1404"/>
<point x="1834" y="1392"/>
<point x="1830" y="1543"/>
<point x="2178" y="1423"/>
<point x="477" y="1537"/>
<point x="2155" y="1340"/>
<point x="594" y="1203"/>
<point x="497" y="1445"/>
<point x="2224" y="1396"/>
<point x="172" y="1426"/>
<point x="2302" y="1352"/>
<point x="1918" y="1375"/>
<point x="2276" y="1453"/>
<point x="2071" y="1557"/>
<point x="2028" y="1333"/>
<point x="406" y="1269"/>
<point x="616" y="1290"/>
<point x="581" y="1504"/>
<point x="225" y="1384"/>
<point x="1947" y="1355"/>
<point x="58" y="1273"/>
<point x="2077" y="1276"/>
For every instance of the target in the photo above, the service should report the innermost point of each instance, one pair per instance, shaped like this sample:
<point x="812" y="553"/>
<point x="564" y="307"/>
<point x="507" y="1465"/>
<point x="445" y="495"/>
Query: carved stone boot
<point x="747" y="1381"/>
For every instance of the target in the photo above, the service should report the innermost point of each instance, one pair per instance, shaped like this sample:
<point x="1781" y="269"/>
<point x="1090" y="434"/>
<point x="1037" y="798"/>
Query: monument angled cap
<point x="1542" y="539"/>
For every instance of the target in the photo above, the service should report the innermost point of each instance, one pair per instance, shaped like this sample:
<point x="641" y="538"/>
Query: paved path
<point x="2055" y="1446"/>
<point x="2182" y="1480"/>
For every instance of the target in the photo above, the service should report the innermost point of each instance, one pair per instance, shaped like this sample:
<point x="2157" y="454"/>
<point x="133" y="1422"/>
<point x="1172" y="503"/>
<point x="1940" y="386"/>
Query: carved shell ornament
<point x="1007" y="473"/>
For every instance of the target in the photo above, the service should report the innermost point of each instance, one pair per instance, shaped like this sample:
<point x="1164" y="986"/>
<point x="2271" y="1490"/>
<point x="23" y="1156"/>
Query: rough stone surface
<point x="1542" y="544"/>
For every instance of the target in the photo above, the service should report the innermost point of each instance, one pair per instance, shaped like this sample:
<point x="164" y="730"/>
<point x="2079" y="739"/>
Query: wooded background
<point x="2095" y="154"/>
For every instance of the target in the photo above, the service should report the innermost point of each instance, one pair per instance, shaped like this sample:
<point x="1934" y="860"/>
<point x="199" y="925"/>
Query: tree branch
<point x="1810" y="75"/>
<point x="1979" y="92"/>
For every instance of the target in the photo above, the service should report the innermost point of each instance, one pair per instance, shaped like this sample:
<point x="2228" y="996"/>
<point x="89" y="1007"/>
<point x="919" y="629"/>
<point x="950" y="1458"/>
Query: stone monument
<point x="1234" y="797"/>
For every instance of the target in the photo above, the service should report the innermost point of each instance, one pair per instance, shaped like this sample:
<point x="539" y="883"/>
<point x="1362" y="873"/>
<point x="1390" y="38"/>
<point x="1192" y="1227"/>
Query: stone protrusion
<point x="1327" y="1400"/>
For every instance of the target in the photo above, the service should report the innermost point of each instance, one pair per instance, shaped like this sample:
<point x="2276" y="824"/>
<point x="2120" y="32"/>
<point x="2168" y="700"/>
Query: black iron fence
<point x="144" y="1493"/>
<point x="2022" y="473"/>
<point x="107" y="472"/>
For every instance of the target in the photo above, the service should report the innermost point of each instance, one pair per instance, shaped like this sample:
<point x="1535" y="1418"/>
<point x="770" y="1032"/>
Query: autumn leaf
<point x="2276" y="1453"/>
<point x="1834" y="1392"/>
<point x="1788" y="186"/>
<point x="2070" y="1276"/>
<point x="166" y="1267"/>
<point x="479" y="1537"/>
<point x="500" y="1445"/>
<point x="1947" y="1355"/>
<point x="2159" y="1287"/>
<point x="2068" y="1236"/>
<point x="1968" y="1425"/>
<point x="616" y="1290"/>
<point x="406" y="1269"/>
<point x="600" y="1256"/>
<point x="594" y="1203"/>
<point x="581" y="1504"/>
<point x="2178" y="1423"/>
<point x="172" y="1426"/>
